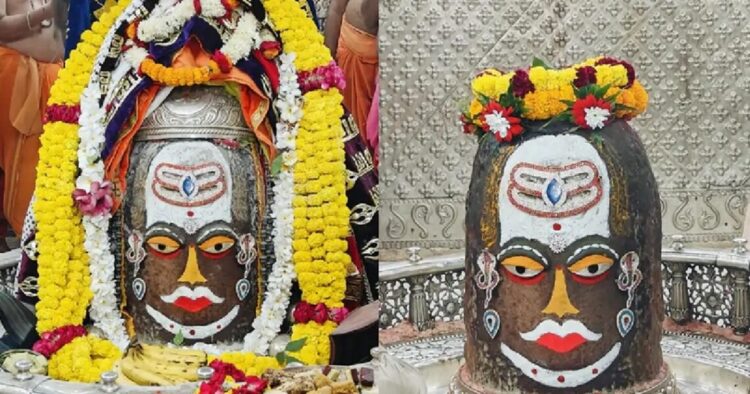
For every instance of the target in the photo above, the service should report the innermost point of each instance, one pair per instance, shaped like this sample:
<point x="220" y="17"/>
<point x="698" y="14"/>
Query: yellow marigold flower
<point x="491" y="83"/>
<point x="613" y="75"/>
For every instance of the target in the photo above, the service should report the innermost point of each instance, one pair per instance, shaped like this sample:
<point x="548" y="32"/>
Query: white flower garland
<point x="213" y="8"/>
<point x="160" y="26"/>
<point x="104" y="308"/>
<point x="279" y="286"/>
<point x="244" y="39"/>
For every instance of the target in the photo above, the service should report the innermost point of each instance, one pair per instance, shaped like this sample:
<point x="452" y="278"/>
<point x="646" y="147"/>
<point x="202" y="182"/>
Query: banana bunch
<point x="149" y="365"/>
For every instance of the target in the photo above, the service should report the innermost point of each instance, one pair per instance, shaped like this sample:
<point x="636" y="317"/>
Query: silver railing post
<point x="419" y="311"/>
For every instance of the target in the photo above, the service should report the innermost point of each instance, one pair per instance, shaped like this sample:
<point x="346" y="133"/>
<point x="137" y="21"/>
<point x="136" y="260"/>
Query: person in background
<point x="351" y="33"/>
<point x="32" y="36"/>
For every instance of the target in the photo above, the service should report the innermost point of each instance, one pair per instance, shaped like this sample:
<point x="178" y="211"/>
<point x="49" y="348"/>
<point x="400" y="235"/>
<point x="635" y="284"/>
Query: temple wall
<point x="691" y="56"/>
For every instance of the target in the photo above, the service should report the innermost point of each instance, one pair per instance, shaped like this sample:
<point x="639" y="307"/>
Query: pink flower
<point x="96" y="202"/>
<point x="324" y="77"/>
<point x="338" y="314"/>
<point x="52" y="341"/>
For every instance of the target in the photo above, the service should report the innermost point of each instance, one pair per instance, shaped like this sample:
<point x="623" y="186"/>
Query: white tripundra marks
<point x="555" y="189"/>
<point x="189" y="186"/>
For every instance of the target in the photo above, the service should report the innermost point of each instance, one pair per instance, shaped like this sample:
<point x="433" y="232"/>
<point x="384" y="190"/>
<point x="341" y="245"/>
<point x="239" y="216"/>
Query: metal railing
<point x="704" y="285"/>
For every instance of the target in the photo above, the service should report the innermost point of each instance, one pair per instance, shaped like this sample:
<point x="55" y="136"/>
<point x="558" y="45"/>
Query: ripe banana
<point x="133" y="369"/>
<point x="154" y="365"/>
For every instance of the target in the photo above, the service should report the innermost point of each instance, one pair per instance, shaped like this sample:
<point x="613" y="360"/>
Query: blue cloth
<point x="80" y="18"/>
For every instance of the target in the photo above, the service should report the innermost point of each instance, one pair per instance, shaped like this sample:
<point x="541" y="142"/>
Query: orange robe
<point x="25" y="89"/>
<point x="357" y="55"/>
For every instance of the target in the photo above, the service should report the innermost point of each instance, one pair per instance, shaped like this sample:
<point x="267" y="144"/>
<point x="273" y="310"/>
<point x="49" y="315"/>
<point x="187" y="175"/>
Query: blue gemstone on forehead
<point x="188" y="185"/>
<point x="554" y="191"/>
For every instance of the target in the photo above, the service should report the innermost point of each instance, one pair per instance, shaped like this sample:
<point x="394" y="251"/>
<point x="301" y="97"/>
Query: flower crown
<point x="590" y="95"/>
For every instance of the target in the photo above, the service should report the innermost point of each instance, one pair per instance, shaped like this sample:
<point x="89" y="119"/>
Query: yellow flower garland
<point x="248" y="363"/>
<point x="64" y="277"/>
<point x="83" y="359"/>
<point x="552" y="87"/>
<point x="321" y="216"/>
<point x="172" y="76"/>
<point x="64" y="292"/>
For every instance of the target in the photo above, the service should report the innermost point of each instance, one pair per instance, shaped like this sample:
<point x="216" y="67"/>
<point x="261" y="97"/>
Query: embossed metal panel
<point x="691" y="55"/>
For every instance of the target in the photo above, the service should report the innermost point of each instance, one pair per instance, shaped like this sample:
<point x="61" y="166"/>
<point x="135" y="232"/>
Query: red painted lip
<point x="192" y="305"/>
<point x="561" y="344"/>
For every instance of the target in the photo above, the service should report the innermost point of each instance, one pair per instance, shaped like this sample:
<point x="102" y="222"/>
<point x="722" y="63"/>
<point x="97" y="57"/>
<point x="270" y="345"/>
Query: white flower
<point x="498" y="123"/>
<point x="244" y="39"/>
<point x="596" y="117"/>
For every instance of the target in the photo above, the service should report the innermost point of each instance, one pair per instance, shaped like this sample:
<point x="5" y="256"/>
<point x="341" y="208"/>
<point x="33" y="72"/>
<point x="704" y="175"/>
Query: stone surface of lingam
<point x="193" y="215"/>
<point x="563" y="288"/>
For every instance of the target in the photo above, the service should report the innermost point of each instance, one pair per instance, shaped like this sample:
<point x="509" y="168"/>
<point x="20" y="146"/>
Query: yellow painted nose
<point x="192" y="273"/>
<point x="559" y="303"/>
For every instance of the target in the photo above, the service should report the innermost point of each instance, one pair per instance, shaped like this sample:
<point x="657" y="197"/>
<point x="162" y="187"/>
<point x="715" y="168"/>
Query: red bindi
<point x="557" y="227"/>
<point x="533" y="371"/>
<point x="561" y="378"/>
<point x="192" y="332"/>
<point x="595" y="371"/>
<point x="190" y="213"/>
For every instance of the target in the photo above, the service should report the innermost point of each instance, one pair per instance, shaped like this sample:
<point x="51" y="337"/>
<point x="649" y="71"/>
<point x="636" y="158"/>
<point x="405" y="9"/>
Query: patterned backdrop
<point x="691" y="55"/>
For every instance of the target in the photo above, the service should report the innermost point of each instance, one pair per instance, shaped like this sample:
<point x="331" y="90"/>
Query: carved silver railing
<point x="703" y="285"/>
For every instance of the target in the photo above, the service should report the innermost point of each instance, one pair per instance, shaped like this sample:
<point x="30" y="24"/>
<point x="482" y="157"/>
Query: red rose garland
<point x="52" y="341"/>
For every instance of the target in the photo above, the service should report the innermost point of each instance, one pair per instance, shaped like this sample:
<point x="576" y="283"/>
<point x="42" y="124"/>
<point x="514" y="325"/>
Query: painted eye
<point x="523" y="268"/>
<point x="217" y="245"/>
<point x="591" y="269"/>
<point x="522" y="271"/>
<point x="163" y="245"/>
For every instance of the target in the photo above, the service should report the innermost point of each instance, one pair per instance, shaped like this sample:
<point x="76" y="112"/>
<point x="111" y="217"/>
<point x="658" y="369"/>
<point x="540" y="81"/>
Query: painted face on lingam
<point x="192" y="231"/>
<point x="563" y="237"/>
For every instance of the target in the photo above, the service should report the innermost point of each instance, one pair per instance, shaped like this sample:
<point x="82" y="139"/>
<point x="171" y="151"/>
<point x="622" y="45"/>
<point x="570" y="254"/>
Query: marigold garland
<point x="249" y="363"/>
<point x="321" y="216"/>
<point x="64" y="277"/>
<point x="545" y="91"/>
<point x="84" y="359"/>
<point x="186" y="76"/>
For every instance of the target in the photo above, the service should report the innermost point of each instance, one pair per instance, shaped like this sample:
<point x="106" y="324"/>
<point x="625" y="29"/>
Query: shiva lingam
<point x="563" y="286"/>
<point x="194" y="198"/>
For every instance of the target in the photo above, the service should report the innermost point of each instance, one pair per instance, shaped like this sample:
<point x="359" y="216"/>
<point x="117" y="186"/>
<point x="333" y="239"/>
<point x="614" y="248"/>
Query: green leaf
<point x="281" y="358"/>
<point x="178" y="339"/>
<point x="537" y="62"/>
<point x="568" y="102"/>
<point x="290" y="359"/>
<point x="295" y="346"/>
<point x="276" y="165"/>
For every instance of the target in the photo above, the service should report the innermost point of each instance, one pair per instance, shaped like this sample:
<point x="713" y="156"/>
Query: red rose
<point x="320" y="314"/>
<point x="520" y="84"/>
<point x="303" y="312"/>
<point x="585" y="76"/>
